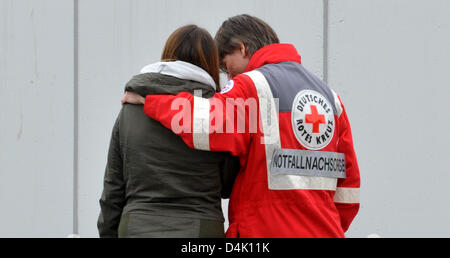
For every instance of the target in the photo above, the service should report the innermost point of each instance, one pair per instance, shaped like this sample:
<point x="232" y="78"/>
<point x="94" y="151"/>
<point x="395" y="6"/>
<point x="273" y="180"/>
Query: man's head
<point x="239" y="38"/>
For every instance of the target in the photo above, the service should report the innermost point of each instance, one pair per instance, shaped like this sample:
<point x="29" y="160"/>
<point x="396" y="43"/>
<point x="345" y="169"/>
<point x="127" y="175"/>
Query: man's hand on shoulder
<point x="132" y="98"/>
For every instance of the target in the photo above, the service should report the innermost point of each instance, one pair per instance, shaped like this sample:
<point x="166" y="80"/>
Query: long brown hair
<point x="194" y="45"/>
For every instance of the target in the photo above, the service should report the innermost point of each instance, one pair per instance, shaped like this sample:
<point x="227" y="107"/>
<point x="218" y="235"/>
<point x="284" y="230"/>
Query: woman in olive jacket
<point x="154" y="184"/>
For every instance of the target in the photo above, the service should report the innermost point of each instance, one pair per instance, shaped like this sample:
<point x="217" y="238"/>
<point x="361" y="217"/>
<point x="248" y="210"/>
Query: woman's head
<point x="194" y="45"/>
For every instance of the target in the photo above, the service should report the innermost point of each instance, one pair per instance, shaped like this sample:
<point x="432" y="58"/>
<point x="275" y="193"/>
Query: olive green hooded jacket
<point x="154" y="184"/>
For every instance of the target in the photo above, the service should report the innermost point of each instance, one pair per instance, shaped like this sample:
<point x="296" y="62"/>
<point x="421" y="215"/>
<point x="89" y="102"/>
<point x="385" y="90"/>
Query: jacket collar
<point x="272" y="54"/>
<point x="181" y="70"/>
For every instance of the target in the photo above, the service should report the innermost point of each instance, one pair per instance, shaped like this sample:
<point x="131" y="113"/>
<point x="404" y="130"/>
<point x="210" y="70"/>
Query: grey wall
<point x="36" y="118"/>
<point x="390" y="60"/>
<point x="64" y="63"/>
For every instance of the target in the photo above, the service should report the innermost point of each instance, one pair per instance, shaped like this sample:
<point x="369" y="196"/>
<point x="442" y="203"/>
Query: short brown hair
<point x="253" y="32"/>
<point x="194" y="45"/>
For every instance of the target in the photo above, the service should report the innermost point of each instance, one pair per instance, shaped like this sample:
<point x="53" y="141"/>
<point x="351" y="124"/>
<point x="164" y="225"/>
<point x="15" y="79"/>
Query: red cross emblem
<point x="315" y="119"/>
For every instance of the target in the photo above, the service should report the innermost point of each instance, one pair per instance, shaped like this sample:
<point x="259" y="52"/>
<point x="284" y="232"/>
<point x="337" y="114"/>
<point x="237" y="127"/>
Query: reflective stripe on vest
<point x="272" y="142"/>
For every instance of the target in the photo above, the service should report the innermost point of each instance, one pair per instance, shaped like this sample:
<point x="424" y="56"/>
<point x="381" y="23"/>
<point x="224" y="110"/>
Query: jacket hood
<point x="171" y="78"/>
<point x="272" y="54"/>
<point x="181" y="70"/>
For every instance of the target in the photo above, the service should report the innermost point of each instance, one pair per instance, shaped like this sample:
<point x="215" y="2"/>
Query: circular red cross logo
<point x="312" y="119"/>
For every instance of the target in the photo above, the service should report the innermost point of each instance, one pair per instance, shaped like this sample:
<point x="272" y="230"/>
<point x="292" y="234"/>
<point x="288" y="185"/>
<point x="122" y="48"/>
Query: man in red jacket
<point x="299" y="175"/>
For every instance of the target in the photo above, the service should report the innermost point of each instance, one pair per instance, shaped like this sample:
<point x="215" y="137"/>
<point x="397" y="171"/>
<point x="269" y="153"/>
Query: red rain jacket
<point x="299" y="174"/>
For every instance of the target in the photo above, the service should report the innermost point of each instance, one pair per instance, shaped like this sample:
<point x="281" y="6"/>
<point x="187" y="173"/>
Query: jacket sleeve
<point x="347" y="194"/>
<point x="230" y="169"/>
<point x="220" y="123"/>
<point x="112" y="200"/>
